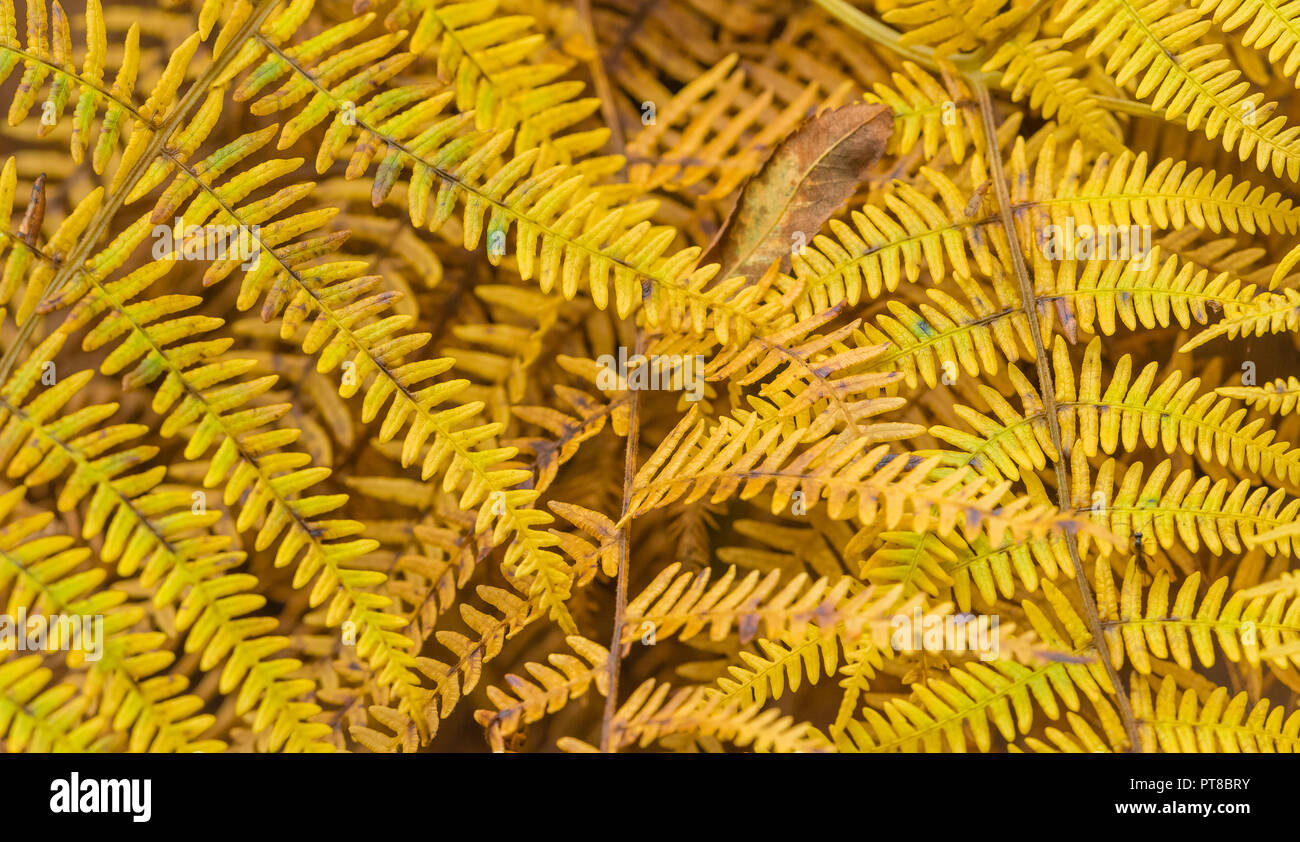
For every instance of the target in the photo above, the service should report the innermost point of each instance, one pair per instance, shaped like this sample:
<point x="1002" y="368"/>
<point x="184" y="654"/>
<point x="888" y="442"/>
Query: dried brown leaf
<point x="802" y="183"/>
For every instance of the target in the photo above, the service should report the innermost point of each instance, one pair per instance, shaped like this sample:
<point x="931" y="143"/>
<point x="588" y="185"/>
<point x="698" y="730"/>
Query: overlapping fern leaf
<point x="308" y="317"/>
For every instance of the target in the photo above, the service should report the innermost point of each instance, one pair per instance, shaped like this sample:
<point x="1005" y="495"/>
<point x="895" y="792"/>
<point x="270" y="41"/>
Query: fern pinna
<point x="693" y="376"/>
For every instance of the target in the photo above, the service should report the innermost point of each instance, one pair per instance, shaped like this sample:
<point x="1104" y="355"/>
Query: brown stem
<point x="1048" y="392"/>
<point x="624" y="532"/>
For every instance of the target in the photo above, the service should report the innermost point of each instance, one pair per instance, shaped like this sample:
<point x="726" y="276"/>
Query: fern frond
<point x="683" y="604"/>
<point x="950" y="335"/>
<point x="1000" y="691"/>
<point x="504" y="354"/>
<point x="406" y="737"/>
<point x="35" y="715"/>
<point x="1279" y="397"/>
<point x="735" y="456"/>
<point x="47" y="58"/>
<point x="950" y="27"/>
<point x="153" y="531"/>
<point x="1242" y="626"/>
<point x="1081" y="738"/>
<point x="132" y="706"/>
<point x="343" y="75"/>
<point x="1270" y="27"/>
<point x="558" y="237"/>
<point x="1164" y="292"/>
<point x="487" y="59"/>
<point x="1191" y="512"/>
<point x="785" y="662"/>
<point x="1169" y="723"/>
<point x="290" y="281"/>
<point x="245" y="459"/>
<point x="1168" y="415"/>
<point x="28" y="260"/>
<point x="447" y="294"/>
<point x="949" y="565"/>
<point x="862" y="661"/>
<point x="39" y="573"/>
<point x="654" y="710"/>
<point x="797" y="542"/>
<point x="431" y="581"/>
<point x="947" y="335"/>
<point x="804" y="371"/>
<point x="588" y="557"/>
<point x="453" y="681"/>
<point x="567" y="678"/>
<point x="569" y="431"/>
<point x="929" y="112"/>
<point x="1146" y="38"/>
<point x="1004" y="694"/>
<point x="1039" y="70"/>
<point x="884" y="247"/>
<point x="482" y="61"/>
<point x="1270" y="312"/>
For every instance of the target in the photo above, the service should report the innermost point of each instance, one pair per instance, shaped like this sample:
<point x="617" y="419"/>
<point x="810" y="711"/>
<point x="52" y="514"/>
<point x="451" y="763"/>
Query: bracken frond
<point x="1146" y="40"/>
<point x="355" y="359"/>
<point x="1242" y="626"/>
<point x="1221" y="723"/>
<point x="1167" y="414"/>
